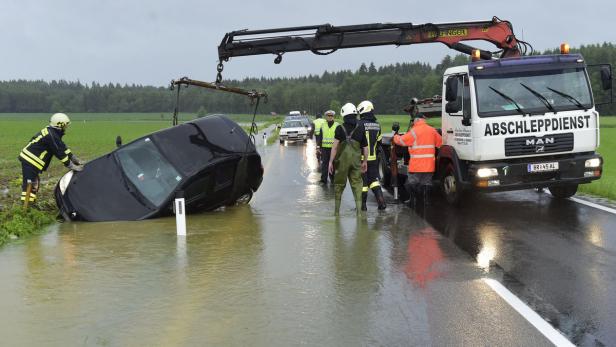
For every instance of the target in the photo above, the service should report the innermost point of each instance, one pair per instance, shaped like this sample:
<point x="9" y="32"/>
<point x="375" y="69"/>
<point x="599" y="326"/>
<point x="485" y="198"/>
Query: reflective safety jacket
<point x="328" y="134"/>
<point x="373" y="134"/>
<point x="42" y="146"/>
<point x="318" y="123"/>
<point x="422" y="141"/>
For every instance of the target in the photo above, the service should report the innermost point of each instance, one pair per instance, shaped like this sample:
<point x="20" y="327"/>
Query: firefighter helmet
<point x="347" y="109"/>
<point x="365" y="107"/>
<point x="60" y="121"/>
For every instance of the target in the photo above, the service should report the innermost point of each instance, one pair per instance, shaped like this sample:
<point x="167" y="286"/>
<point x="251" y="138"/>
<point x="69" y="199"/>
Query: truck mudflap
<point x="535" y="172"/>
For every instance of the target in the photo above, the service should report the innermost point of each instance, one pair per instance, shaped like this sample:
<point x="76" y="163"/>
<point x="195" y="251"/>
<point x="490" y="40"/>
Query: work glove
<point x="76" y="160"/>
<point x="74" y="167"/>
<point x="395" y="127"/>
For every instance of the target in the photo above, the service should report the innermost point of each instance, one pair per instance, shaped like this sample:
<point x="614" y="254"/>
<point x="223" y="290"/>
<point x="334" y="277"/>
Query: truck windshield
<point x="561" y="89"/>
<point x="148" y="170"/>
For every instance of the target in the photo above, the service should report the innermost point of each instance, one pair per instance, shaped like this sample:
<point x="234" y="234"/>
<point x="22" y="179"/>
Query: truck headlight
<point x="594" y="162"/>
<point x="487" y="172"/>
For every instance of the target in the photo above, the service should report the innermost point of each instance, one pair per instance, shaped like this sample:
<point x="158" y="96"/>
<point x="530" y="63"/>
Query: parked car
<point x="210" y="161"/>
<point x="293" y="130"/>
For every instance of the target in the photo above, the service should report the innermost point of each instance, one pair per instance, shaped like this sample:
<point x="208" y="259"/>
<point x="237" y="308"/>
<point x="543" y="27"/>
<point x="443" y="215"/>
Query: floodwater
<point x="281" y="271"/>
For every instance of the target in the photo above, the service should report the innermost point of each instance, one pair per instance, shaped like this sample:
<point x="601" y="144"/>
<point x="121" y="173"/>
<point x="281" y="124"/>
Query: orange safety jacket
<point x="422" y="141"/>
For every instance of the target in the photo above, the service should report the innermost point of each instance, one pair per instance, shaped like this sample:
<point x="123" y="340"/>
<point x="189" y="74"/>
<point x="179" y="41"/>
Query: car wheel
<point x="451" y="187"/>
<point x="243" y="199"/>
<point x="563" y="192"/>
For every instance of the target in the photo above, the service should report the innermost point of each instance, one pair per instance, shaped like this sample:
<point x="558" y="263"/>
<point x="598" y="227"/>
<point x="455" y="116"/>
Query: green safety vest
<point x="318" y="123"/>
<point x="329" y="135"/>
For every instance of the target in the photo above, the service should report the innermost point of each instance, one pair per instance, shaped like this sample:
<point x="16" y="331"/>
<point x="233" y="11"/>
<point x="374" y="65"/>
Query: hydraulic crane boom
<point x="328" y="37"/>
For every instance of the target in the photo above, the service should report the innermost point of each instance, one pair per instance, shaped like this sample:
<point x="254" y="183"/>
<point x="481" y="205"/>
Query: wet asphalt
<point x="284" y="271"/>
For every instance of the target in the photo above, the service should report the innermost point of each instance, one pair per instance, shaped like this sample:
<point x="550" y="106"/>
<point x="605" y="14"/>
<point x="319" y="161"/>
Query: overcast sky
<point x="151" y="42"/>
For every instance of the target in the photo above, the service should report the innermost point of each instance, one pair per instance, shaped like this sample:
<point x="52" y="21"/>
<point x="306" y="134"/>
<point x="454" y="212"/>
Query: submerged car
<point x="293" y="130"/>
<point x="210" y="161"/>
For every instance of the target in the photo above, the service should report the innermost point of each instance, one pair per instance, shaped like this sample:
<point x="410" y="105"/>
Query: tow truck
<point x="509" y="121"/>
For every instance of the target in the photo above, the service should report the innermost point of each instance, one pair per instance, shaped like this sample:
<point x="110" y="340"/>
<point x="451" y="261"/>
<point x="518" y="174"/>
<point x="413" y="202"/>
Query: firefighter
<point x="422" y="141"/>
<point x="325" y="142"/>
<point x="36" y="156"/>
<point x="346" y="157"/>
<point x="373" y="134"/>
<point x="318" y="123"/>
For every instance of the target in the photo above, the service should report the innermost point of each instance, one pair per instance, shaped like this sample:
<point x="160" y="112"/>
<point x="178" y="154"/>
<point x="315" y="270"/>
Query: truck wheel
<point x="281" y="142"/>
<point x="563" y="192"/>
<point x="451" y="187"/>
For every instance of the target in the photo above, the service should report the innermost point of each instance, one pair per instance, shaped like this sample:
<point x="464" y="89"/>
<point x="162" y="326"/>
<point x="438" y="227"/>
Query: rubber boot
<point x="357" y="194"/>
<point x="338" y="189"/>
<point x="380" y="199"/>
<point x="364" y="198"/>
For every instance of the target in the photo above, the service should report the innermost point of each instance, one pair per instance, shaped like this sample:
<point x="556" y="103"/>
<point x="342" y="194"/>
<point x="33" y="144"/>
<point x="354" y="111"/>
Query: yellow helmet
<point x="364" y="107"/>
<point x="60" y="121"/>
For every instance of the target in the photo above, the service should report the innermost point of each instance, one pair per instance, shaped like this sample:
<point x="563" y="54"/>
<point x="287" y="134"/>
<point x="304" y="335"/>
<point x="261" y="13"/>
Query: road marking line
<point x="531" y="316"/>
<point x="592" y="204"/>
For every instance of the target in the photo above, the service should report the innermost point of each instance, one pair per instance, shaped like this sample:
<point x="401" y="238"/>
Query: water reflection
<point x="424" y="257"/>
<point x="170" y="289"/>
<point x="358" y="278"/>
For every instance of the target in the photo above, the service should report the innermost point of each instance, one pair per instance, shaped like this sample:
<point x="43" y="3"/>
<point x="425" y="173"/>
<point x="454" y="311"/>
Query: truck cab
<point x="517" y="123"/>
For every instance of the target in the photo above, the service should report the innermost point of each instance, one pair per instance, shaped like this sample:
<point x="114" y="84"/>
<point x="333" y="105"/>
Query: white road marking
<point x="531" y="316"/>
<point x="592" y="204"/>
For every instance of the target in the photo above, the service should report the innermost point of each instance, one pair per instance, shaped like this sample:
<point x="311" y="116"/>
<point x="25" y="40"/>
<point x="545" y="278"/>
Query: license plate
<point x="543" y="167"/>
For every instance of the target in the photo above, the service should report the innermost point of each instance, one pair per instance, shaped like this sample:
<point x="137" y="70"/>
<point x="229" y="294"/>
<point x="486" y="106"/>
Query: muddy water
<point x="280" y="271"/>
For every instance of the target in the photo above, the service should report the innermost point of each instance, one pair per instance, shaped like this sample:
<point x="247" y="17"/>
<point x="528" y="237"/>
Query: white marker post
<point x="264" y="139"/>
<point x="180" y="214"/>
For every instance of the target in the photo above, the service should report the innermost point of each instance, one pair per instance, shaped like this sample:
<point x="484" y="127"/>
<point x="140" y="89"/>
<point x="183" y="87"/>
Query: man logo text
<point x="537" y="142"/>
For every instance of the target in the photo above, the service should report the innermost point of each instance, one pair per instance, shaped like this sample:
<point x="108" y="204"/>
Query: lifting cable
<point x="252" y="94"/>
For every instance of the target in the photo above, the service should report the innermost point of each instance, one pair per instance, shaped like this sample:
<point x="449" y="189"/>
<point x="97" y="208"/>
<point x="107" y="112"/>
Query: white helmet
<point x="347" y="109"/>
<point x="365" y="107"/>
<point x="60" y="121"/>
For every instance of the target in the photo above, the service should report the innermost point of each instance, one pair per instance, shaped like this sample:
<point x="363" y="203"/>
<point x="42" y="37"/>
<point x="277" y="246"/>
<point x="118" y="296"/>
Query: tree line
<point x="389" y="87"/>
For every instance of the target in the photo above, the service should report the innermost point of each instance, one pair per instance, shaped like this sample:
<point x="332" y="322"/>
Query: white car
<point x="293" y="130"/>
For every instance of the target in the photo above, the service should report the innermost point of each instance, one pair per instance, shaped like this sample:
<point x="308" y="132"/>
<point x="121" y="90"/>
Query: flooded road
<point x="283" y="271"/>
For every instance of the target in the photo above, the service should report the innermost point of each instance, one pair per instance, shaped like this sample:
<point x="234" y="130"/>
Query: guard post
<point x="180" y="213"/>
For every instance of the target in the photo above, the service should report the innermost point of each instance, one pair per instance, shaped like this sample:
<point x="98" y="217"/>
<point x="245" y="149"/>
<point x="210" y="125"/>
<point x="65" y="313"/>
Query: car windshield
<point x="293" y="124"/>
<point x="533" y="91"/>
<point x="148" y="170"/>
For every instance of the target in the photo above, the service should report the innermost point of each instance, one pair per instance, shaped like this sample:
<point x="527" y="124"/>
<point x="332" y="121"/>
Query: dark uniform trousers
<point x="326" y="153"/>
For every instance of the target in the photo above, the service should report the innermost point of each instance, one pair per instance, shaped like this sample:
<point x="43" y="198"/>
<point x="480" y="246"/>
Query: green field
<point x="89" y="136"/>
